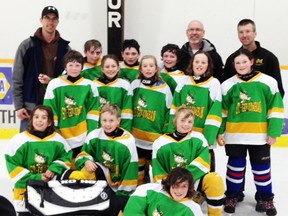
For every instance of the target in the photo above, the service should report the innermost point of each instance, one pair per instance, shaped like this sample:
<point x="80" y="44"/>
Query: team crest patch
<point x="109" y="162"/>
<point x="41" y="165"/>
<point x="71" y="109"/>
<point x="190" y="99"/>
<point x="103" y="101"/>
<point x="141" y="103"/>
<point x="69" y="101"/>
<point x="246" y="104"/>
<point x="180" y="160"/>
<point x="142" y="110"/>
<point x="157" y="212"/>
<point x="244" y="97"/>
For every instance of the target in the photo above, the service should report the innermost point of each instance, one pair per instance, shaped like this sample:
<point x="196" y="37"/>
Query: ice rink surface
<point x="245" y="208"/>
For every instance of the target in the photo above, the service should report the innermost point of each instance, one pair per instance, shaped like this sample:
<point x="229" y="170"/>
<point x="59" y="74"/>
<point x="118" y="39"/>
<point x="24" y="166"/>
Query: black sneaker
<point x="269" y="207"/>
<point x="266" y="206"/>
<point x="260" y="206"/>
<point x="230" y="204"/>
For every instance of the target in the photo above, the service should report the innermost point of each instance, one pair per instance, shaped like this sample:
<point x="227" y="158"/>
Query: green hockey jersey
<point x="118" y="92"/>
<point x="204" y="99"/>
<point x="191" y="152"/>
<point x="128" y="73"/>
<point x="151" y="107"/>
<point x="252" y="110"/>
<point x="28" y="157"/>
<point x="172" y="78"/>
<point x="75" y="107"/>
<point x="117" y="157"/>
<point x="92" y="72"/>
<point x="151" y="200"/>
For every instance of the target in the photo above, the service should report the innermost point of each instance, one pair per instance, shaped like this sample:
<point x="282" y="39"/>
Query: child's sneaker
<point x="260" y="206"/>
<point x="266" y="206"/>
<point x="230" y="204"/>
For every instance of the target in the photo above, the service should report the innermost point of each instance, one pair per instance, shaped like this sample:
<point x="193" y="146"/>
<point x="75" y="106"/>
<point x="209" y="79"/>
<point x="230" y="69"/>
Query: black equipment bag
<point x="68" y="197"/>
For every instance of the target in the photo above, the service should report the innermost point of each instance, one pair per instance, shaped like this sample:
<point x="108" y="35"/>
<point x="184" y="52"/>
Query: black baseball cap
<point x="50" y="9"/>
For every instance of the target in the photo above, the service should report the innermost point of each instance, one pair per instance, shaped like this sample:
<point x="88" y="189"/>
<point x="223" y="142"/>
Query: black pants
<point x="24" y="214"/>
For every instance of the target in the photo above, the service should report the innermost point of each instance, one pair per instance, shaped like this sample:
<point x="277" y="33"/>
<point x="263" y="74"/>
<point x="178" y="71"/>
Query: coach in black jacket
<point x="265" y="61"/>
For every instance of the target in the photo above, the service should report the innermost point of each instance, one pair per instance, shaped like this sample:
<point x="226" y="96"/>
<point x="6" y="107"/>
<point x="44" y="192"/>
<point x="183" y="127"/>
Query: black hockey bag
<point x="68" y="197"/>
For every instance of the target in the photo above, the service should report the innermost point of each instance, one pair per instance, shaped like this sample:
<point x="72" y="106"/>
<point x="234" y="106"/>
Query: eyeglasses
<point x="52" y="19"/>
<point x="194" y="30"/>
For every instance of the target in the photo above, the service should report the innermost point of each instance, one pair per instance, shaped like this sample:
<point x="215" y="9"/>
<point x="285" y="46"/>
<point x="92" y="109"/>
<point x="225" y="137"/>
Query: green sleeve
<point x="213" y="122"/>
<point x="126" y="122"/>
<point x="201" y="164"/>
<point x="129" y="171"/>
<point x="136" y="206"/>
<point x="19" y="174"/>
<point x="92" y="104"/>
<point x="170" y="81"/>
<point x="61" y="157"/>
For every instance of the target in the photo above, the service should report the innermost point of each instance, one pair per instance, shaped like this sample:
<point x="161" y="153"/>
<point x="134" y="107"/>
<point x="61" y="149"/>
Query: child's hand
<point x="44" y="178"/>
<point x="49" y="174"/>
<point x="44" y="79"/>
<point x="90" y="166"/>
<point x="271" y="140"/>
<point x="221" y="140"/>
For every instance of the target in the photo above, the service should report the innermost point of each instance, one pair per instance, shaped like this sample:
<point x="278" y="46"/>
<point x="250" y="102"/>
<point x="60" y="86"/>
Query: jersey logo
<point x="41" y="163"/>
<point x="141" y="103"/>
<point x="140" y="111"/>
<point x="69" y="101"/>
<point x="190" y="99"/>
<point x="107" y="157"/>
<point x="244" y="97"/>
<point x="157" y="212"/>
<point x="103" y="101"/>
<point x="109" y="162"/>
<point x="191" y="103"/>
<point x="71" y="109"/>
<point x="246" y="104"/>
<point x="180" y="160"/>
<point x="259" y="62"/>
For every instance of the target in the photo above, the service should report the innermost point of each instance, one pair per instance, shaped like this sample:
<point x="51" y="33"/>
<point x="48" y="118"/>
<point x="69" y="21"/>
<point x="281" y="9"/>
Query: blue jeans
<point x="24" y="124"/>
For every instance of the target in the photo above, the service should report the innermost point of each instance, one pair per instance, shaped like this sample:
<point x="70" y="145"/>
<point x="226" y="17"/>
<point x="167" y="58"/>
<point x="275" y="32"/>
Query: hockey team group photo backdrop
<point x="152" y="23"/>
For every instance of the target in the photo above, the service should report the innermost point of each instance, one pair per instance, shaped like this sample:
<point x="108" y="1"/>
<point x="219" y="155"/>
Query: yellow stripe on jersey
<point x="200" y="130"/>
<point x="246" y="127"/>
<point x="202" y="162"/>
<point x="94" y="112"/>
<point x="159" y="178"/>
<point x="74" y="131"/>
<point x="276" y="110"/>
<point x="16" y="171"/>
<point x="127" y="111"/>
<point x="144" y="135"/>
<point x="214" y="117"/>
<point x="129" y="182"/>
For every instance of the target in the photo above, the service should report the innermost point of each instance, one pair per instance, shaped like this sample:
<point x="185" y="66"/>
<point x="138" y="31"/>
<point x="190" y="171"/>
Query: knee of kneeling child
<point x="213" y="185"/>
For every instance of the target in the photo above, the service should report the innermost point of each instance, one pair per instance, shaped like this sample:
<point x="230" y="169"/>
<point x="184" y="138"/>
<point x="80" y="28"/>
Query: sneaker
<point x="260" y="206"/>
<point x="230" y="204"/>
<point x="266" y="206"/>
<point x="269" y="207"/>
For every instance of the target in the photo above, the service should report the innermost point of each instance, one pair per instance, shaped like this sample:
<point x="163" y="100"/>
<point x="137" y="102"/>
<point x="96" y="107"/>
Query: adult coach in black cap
<point x="41" y="53"/>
